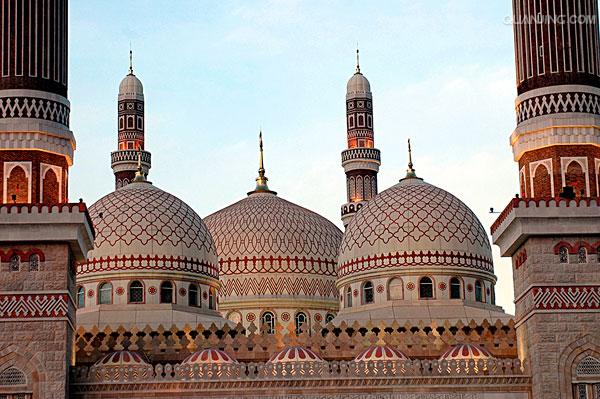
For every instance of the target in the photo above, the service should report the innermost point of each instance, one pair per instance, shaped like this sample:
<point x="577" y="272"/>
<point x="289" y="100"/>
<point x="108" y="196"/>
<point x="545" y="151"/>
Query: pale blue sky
<point x="441" y="72"/>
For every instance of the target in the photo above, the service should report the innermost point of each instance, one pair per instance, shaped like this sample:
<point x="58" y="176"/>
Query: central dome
<point x="414" y="224"/>
<point x="275" y="255"/>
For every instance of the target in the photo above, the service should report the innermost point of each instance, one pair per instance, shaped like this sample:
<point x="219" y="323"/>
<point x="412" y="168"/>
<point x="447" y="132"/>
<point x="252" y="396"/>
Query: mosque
<point x="139" y="296"/>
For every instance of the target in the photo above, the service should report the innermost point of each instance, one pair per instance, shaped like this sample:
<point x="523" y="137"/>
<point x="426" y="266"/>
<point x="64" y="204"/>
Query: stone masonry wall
<point x="553" y="322"/>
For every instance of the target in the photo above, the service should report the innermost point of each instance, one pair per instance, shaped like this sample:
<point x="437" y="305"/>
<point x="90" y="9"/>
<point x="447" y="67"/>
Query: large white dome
<point x="143" y="221"/>
<point x="414" y="224"/>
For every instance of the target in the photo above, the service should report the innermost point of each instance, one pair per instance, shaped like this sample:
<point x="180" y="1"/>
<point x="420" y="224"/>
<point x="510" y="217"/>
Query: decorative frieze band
<point x="277" y="265"/>
<point x="407" y="259"/>
<point x="28" y="306"/>
<point x="130" y="156"/>
<point x="152" y="263"/>
<point x="361" y="153"/>
<point x="32" y="107"/>
<point x="557" y="103"/>
<point x="567" y="298"/>
<point x="294" y="286"/>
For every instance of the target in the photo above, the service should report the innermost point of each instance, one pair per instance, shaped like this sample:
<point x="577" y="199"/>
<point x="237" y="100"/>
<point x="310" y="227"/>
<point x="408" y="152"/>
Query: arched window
<point x="563" y="255"/>
<point x="105" y="294"/>
<point x="493" y="295"/>
<point x="15" y="263"/>
<point x="166" y="292"/>
<point x="426" y="288"/>
<point x="395" y="289"/>
<point x="300" y="320"/>
<point x="586" y="381"/>
<point x="455" y="288"/>
<point x="582" y="255"/>
<point x="212" y="298"/>
<point x="329" y="318"/>
<point x="479" y="291"/>
<point x="136" y="292"/>
<point x="598" y="255"/>
<point x="80" y="297"/>
<point x="12" y="376"/>
<point x="267" y="321"/>
<point x="193" y="295"/>
<point x="34" y="263"/>
<point x="348" y="297"/>
<point x="361" y="121"/>
<point x="368" y="296"/>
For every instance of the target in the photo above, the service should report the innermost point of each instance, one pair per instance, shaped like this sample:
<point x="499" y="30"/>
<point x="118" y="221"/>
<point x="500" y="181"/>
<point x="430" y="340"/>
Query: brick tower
<point x="41" y="235"/>
<point x="360" y="161"/>
<point x="131" y="130"/>
<point x="552" y="231"/>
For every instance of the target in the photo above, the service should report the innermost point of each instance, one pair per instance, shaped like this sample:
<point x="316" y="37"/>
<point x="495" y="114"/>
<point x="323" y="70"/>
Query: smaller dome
<point x="121" y="358"/>
<point x="209" y="356"/>
<point x="295" y="354"/>
<point x="378" y="352"/>
<point x="131" y="88"/>
<point x="358" y="86"/>
<point x="466" y="352"/>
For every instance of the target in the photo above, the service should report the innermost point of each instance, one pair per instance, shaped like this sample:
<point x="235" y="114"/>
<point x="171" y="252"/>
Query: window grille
<point x="12" y="376"/>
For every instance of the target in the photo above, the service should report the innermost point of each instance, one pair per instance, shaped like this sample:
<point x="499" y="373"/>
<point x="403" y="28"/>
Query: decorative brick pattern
<point x="36" y="108"/>
<point x="558" y="103"/>
<point x="567" y="298"/>
<point x="25" y="306"/>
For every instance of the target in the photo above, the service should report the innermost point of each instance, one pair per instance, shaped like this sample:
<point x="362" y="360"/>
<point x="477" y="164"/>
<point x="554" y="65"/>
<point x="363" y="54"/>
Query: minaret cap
<point x="357" y="60"/>
<point x="410" y="172"/>
<point x="261" y="180"/>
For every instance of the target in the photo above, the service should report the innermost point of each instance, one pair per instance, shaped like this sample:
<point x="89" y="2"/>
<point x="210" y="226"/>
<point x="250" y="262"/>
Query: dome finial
<point x="140" y="177"/>
<point x="130" y="60"/>
<point x="357" y="59"/>
<point x="261" y="180"/>
<point x="410" y="172"/>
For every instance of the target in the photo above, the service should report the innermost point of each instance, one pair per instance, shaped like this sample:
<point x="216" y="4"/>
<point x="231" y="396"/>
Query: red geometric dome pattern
<point x="149" y="227"/>
<point x="209" y="356"/>
<point x="121" y="358"/>
<point x="466" y="352"/>
<point x="411" y="224"/>
<point x="270" y="246"/>
<point x="375" y="353"/>
<point x="295" y="354"/>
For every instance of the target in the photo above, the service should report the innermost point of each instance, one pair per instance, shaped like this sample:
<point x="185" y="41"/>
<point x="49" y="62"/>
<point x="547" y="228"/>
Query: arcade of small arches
<point x="18" y="260"/>
<point x="18" y="182"/>
<point x="412" y="288"/>
<point x="269" y="318"/>
<point x="580" y="252"/>
<point x="546" y="178"/>
<point x="140" y="291"/>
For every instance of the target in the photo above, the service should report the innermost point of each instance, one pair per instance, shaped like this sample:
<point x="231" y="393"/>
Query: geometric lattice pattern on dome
<point x="420" y="211"/>
<point x="589" y="366"/>
<point x="414" y="215"/>
<point x="12" y="376"/>
<point x="144" y="214"/>
<point x="264" y="224"/>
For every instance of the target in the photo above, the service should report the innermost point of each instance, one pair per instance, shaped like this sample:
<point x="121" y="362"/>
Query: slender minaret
<point x="124" y="161"/>
<point x="36" y="144"/>
<point x="360" y="161"/>
<point x="552" y="230"/>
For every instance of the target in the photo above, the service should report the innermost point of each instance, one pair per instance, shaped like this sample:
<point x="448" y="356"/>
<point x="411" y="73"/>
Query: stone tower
<point x="124" y="161"/>
<point x="41" y="235"/>
<point x="552" y="231"/>
<point x="360" y="161"/>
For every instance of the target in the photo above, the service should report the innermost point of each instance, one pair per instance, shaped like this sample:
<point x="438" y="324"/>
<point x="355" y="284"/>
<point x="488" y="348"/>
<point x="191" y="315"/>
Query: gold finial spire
<point x="261" y="180"/>
<point x="130" y="60"/>
<point x="357" y="59"/>
<point x="139" y="174"/>
<point x="410" y="172"/>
